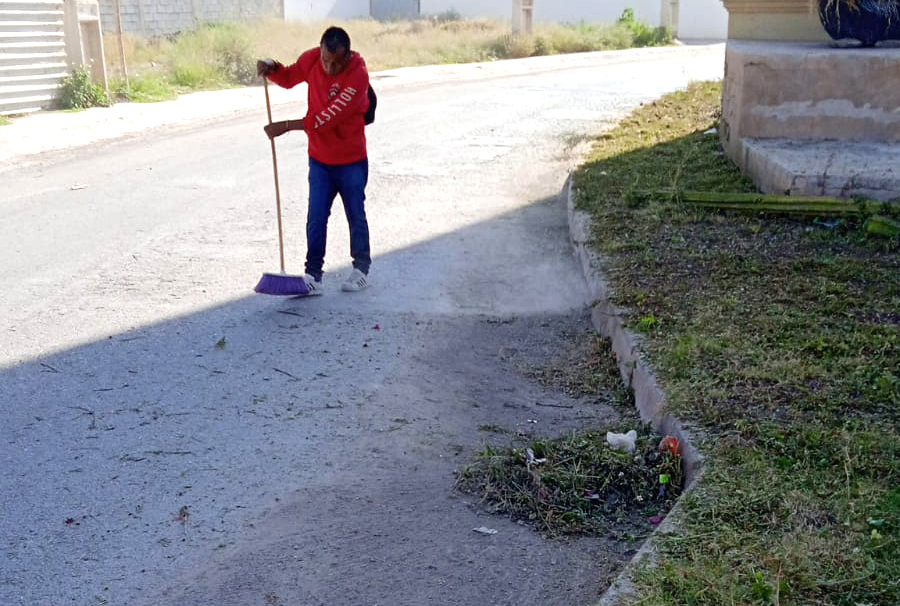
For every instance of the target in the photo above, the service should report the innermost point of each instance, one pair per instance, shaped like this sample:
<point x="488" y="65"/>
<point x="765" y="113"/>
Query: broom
<point x="281" y="283"/>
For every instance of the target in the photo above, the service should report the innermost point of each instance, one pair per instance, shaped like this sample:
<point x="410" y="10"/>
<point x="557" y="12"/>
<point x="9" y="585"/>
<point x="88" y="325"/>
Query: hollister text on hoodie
<point x="335" y="118"/>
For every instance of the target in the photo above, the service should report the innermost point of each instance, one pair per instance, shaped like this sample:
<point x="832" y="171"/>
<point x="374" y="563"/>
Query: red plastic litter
<point x="669" y="444"/>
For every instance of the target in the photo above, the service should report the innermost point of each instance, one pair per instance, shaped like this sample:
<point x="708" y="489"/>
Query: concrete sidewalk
<point x="55" y="130"/>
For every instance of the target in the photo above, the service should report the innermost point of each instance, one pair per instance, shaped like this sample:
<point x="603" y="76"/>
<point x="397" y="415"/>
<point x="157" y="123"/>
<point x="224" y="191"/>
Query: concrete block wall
<point x="158" y="17"/>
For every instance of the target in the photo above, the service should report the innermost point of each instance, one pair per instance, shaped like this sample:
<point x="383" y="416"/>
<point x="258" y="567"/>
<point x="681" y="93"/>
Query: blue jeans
<point x="325" y="182"/>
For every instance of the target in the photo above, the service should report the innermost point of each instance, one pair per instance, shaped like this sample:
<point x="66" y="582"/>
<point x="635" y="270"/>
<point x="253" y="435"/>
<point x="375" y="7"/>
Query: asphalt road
<point x="167" y="437"/>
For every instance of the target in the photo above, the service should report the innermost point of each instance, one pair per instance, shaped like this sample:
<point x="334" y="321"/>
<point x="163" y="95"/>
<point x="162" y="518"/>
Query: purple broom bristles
<point x="284" y="285"/>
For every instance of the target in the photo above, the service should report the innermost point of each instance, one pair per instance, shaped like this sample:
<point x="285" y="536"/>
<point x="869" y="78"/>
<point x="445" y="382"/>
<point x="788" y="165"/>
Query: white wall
<point x="495" y="9"/>
<point x="697" y="19"/>
<point x="394" y="9"/>
<point x="600" y="11"/>
<point x="320" y="10"/>
<point x="702" y="19"/>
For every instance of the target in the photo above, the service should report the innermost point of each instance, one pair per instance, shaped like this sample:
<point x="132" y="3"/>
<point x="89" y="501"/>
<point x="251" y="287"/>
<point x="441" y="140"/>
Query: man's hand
<point x="276" y="129"/>
<point x="264" y="67"/>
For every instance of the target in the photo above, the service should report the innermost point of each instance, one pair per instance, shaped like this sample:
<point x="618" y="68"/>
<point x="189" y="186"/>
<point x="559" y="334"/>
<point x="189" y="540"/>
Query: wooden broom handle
<point x="275" y="169"/>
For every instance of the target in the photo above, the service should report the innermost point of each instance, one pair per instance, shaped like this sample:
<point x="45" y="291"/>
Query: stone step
<point x="842" y="169"/>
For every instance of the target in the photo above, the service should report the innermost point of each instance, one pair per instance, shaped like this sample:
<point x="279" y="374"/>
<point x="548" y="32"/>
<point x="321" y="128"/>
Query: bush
<point x="511" y="46"/>
<point x="627" y="17"/>
<point x="214" y="55"/>
<point x="643" y="34"/>
<point x="232" y="49"/>
<point x="579" y="38"/>
<point x="78" y="92"/>
<point x="448" y="16"/>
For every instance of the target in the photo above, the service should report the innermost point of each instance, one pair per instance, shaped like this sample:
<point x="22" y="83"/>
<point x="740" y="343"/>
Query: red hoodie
<point x="334" y="121"/>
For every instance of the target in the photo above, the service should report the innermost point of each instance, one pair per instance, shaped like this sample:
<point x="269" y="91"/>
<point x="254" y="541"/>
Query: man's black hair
<point x="335" y="38"/>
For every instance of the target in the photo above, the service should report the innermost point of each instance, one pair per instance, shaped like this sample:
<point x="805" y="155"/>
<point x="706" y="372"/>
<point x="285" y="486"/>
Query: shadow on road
<point x="291" y="451"/>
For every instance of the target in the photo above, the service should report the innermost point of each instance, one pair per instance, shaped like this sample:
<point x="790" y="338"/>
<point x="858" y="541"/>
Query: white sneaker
<point x="314" y="286"/>
<point x="356" y="282"/>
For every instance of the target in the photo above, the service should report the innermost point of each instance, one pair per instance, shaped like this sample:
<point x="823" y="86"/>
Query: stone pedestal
<point x="779" y="98"/>
<point x="774" y="20"/>
<point x="806" y="90"/>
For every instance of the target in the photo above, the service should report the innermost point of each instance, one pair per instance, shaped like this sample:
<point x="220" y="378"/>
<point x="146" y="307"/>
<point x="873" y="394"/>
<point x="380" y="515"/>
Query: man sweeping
<point x="338" y="162"/>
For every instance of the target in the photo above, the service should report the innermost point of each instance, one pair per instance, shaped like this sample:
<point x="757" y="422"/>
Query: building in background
<point x="571" y="11"/>
<point x="384" y="10"/>
<point x="322" y="10"/>
<point x="688" y="19"/>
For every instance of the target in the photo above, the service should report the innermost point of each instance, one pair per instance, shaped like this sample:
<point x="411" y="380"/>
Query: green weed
<point x="78" y="92"/>
<point x="643" y="34"/>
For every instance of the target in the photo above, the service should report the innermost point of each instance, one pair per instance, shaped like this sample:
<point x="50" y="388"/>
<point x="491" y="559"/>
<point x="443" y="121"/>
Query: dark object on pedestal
<point x="869" y="21"/>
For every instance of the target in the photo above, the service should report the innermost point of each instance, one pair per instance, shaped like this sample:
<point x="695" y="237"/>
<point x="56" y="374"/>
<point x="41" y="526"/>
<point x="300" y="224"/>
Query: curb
<point x="637" y="375"/>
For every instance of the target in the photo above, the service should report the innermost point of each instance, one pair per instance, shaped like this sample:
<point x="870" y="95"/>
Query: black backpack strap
<point x="373" y="103"/>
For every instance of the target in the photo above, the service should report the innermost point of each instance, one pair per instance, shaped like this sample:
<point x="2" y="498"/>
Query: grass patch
<point x="588" y="368"/>
<point x="146" y="88"/>
<point x="780" y="337"/>
<point x="4" y="120"/>
<point x="214" y="56"/>
<point x="223" y="55"/>
<point x="578" y="484"/>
